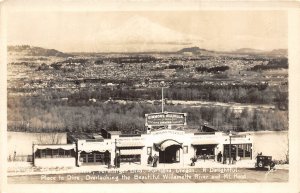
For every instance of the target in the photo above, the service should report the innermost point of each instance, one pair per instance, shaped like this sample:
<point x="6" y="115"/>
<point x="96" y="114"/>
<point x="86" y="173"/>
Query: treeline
<point x="254" y="95"/>
<point x="174" y="66"/>
<point x="36" y="115"/>
<point x="212" y="69"/>
<point x="132" y="59"/>
<point x="273" y="64"/>
<point x="58" y="65"/>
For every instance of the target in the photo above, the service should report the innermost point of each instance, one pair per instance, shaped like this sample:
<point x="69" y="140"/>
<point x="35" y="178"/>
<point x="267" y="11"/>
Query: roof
<point x="115" y="132"/>
<point x="55" y="146"/>
<point x="206" y="128"/>
<point x="94" y="146"/>
<point x="85" y="136"/>
<point x="138" y="143"/>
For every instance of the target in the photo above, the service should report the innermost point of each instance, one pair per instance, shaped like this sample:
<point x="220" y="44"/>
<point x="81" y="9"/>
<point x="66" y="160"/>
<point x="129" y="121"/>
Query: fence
<point x="22" y="158"/>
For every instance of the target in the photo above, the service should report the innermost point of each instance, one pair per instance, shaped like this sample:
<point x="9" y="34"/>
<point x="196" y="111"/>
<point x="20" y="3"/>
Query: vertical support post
<point x="33" y="154"/>
<point x="230" y="147"/>
<point x="115" y="147"/>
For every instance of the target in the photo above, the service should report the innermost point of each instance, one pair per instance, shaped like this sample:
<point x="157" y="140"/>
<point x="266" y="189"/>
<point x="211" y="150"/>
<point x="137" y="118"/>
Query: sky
<point x="133" y="31"/>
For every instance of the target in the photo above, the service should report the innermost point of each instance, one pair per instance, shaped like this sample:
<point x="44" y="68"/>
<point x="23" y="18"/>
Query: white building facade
<point x="170" y="144"/>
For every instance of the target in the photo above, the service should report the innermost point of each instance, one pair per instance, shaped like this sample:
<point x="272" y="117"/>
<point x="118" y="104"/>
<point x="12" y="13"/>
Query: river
<point x="273" y="143"/>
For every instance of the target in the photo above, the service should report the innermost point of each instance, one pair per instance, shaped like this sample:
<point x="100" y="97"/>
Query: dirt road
<point x="197" y="175"/>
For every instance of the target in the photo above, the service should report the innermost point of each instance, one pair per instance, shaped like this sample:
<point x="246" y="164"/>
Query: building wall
<point x="157" y="137"/>
<point x="55" y="162"/>
<point x="21" y="142"/>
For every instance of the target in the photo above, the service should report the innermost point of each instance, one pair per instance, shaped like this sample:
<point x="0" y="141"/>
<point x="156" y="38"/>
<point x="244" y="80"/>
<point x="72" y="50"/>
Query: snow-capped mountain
<point x="140" y="30"/>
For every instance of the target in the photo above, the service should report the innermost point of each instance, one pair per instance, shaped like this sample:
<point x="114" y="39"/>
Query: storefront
<point x="129" y="148"/>
<point x="93" y="152"/>
<point x="48" y="155"/>
<point x="171" y="144"/>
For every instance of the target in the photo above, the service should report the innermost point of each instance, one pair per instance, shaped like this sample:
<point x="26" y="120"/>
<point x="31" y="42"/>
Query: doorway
<point x="170" y="155"/>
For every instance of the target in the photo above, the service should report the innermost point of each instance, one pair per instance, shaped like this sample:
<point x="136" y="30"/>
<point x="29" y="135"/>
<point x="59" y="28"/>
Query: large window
<point x="238" y="150"/>
<point x="54" y="153"/>
<point x="94" y="157"/>
<point x="130" y="158"/>
<point x="205" y="151"/>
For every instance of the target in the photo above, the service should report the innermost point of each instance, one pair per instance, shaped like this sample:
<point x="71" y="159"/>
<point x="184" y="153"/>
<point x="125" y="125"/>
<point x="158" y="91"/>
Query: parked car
<point x="263" y="161"/>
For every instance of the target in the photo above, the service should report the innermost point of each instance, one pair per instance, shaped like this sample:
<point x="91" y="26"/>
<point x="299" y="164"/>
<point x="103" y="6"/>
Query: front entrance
<point x="170" y="155"/>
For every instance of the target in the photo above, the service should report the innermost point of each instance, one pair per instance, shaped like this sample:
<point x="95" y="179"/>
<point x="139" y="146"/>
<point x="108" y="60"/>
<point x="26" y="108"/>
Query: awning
<point x="205" y="142"/>
<point x="55" y="146"/>
<point x="90" y="147"/>
<point x="130" y="144"/>
<point x="130" y="151"/>
<point x="168" y="143"/>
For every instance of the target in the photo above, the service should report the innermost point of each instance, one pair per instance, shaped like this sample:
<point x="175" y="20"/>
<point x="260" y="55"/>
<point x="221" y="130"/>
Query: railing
<point x="205" y="157"/>
<point x="22" y="158"/>
<point x="94" y="140"/>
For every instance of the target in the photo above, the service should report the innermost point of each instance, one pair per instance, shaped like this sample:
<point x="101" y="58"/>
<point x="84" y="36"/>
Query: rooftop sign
<point x="165" y="118"/>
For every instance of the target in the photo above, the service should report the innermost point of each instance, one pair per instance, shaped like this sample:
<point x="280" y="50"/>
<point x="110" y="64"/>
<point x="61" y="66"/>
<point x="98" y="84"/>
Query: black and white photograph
<point x="115" y="95"/>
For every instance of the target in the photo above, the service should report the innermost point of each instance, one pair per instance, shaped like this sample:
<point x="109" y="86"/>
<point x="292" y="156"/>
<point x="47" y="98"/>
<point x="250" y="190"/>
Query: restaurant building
<point x="166" y="136"/>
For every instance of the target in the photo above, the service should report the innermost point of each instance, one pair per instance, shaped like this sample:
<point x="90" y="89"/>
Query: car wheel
<point x="260" y="164"/>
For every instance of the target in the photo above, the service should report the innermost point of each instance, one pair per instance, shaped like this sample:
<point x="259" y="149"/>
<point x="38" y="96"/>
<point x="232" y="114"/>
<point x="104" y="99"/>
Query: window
<point x="61" y="153"/>
<point x="149" y="150"/>
<point x="48" y="153"/>
<point x="130" y="158"/>
<point x="90" y="157"/>
<point x="99" y="157"/>
<point x="248" y="150"/>
<point x="55" y="153"/>
<point x="185" y="149"/>
<point x="67" y="153"/>
<point x="240" y="150"/>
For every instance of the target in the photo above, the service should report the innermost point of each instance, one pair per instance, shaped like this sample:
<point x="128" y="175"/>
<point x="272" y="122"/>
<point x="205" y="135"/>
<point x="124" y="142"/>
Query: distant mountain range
<point x="280" y="52"/>
<point x="194" y="50"/>
<point x="36" y="51"/>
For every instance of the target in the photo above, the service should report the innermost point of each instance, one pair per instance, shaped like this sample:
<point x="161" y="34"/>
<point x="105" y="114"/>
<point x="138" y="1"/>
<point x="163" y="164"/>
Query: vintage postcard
<point x="171" y="95"/>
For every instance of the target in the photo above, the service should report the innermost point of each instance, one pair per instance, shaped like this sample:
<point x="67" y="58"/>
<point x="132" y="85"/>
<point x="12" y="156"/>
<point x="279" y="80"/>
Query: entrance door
<point x="170" y="155"/>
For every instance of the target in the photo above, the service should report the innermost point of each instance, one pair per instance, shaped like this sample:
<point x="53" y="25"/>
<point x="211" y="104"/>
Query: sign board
<point x="165" y="118"/>
<point x="172" y="132"/>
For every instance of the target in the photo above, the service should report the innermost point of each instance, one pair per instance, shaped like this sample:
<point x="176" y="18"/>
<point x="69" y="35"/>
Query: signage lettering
<point x="161" y="119"/>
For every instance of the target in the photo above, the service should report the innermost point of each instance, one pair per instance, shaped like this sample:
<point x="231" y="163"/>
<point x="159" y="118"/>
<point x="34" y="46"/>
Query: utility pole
<point x="162" y="99"/>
